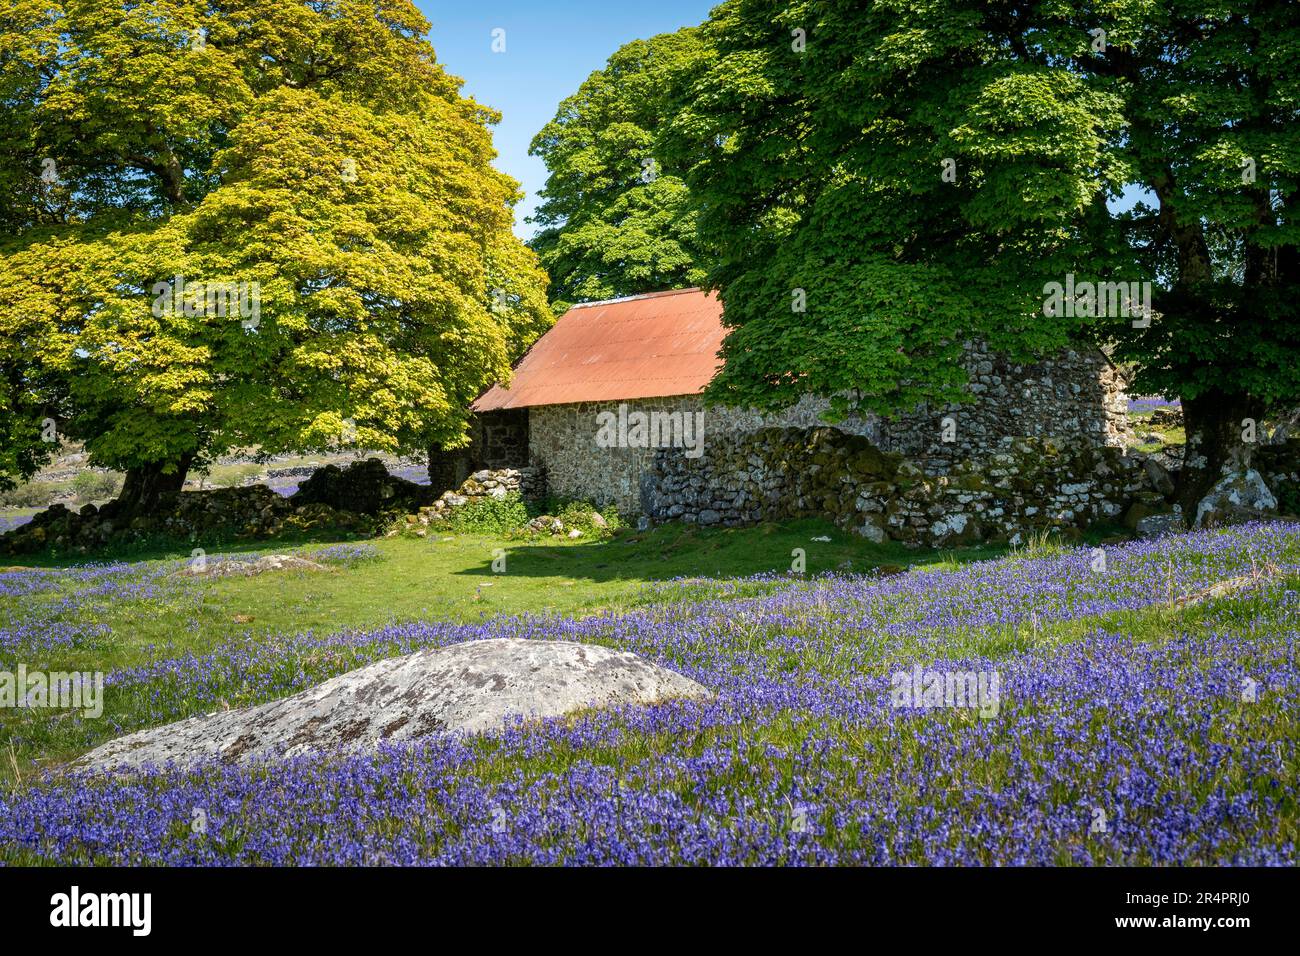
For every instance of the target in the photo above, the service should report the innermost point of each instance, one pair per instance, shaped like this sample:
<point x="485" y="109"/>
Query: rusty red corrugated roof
<point x="646" y="346"/>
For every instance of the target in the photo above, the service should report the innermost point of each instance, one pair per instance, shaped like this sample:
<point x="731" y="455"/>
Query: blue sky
<point x="551" y="47"/>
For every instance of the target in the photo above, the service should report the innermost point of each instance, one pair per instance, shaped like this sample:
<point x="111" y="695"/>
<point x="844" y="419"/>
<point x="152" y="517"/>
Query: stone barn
<point x="612" y="383"/>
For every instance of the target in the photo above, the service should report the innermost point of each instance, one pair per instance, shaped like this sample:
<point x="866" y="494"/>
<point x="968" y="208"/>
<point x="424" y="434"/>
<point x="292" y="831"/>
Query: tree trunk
<point x="144" y="486"/>
<point x="1215" y="444"/>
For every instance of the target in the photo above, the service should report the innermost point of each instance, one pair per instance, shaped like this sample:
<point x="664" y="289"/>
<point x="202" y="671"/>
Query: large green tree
<point x="615" y="219"/>
<point x="878" y="181"/>
<point x="321" y="190"/>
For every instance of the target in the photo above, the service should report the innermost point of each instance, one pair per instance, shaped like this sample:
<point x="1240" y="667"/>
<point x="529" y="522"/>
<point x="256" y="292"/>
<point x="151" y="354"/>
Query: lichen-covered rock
<point x="206" y="567"/>
<point x="1238" y="497"/>
<point x="473" y="687"/>
<point x="1161" y="479"/>
<point x="546" y="524"/>
<point x="1159" y="525"/>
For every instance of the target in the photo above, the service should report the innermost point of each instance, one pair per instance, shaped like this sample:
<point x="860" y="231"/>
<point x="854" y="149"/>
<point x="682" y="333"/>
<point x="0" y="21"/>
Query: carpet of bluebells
<point x="1125" y="732"/>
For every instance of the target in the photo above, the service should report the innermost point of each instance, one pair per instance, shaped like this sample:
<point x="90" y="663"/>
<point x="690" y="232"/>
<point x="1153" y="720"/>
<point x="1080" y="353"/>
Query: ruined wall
<point x="528" y="483"/>
<point x="1024" y="485"/>
<point x="563" y="440"/>
<point x="1279" y="463"/>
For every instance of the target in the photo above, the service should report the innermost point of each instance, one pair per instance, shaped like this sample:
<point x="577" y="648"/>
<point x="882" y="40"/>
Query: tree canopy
<point x="239" y="224"/>
<point x="615" y="219"/>
<point x="877" y="182"/>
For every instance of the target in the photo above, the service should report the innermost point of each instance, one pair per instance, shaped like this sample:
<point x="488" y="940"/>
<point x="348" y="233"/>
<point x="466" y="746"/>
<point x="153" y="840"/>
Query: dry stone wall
<point x="1025" y="485"/>
<point x="202" y="517"/>
<point x="1279" y="464"/>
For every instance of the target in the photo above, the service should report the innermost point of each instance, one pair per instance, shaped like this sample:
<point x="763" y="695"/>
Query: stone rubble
<point x="486" y="484"/>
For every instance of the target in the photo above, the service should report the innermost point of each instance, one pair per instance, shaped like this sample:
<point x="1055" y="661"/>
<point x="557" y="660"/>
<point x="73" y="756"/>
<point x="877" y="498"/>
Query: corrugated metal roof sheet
<point x="648" y="346"/>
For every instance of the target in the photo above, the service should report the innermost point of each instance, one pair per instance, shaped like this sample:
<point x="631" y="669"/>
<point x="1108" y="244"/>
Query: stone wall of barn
<point x="1076" y="400"/>
<point x="562" y="441"/>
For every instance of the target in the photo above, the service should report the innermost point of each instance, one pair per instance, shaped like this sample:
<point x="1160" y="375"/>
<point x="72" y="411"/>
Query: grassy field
<point x="447" y="578"/>
<point x="120" y="615"/>
<point x="1165" y="437"/>
<point x="1122" y="696"/>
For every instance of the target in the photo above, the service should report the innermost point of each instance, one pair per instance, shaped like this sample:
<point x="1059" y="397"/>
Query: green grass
<point x="442" y="577"/>
<point x="1167" y="436"/>
<point x="446" y="577"/>
<point x="450" y="577"/>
